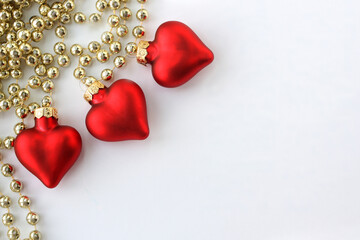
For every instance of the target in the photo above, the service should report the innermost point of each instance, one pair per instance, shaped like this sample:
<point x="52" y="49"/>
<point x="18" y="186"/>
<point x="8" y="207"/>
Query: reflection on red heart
<point x="118" y="113"/>
<point x="48" y="150"/>
<point x="177" y="54"/>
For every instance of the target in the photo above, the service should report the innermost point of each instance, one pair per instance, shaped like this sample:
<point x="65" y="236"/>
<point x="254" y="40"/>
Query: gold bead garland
<point x="111" y="38"/>
<point x="16" y="186"/>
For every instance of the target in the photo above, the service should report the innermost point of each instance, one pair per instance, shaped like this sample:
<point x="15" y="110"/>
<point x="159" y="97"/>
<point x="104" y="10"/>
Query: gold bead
<point x="53" y="72"/>
<point x="15" y="53"/>
<point x="49" y="24"/>
<point x="102" y="56"/>
<point x="34" y="82"/>
<point x="33" y="106"/>
<point x="113" y="21"/>
<point x="35" y="235"/>
<point x="9" y="142"/>
<point x="114" y="4"/>
<point x="95" y="17"/>
<point x="142" y="1"/>
<point x="22" y="112"/>
<point x="7" y="219"/>
<point x="4" y="16"/>
<point x="40" y="70"/>
<point x="15" y="185"/>
<point x="23" y="35"/>
<point x="79" y="17"/>
<point x="101" y="5"/>
<point x="11" y="36"/>
<point x="7" y="170"/>
<point x="38" y="23"/>
<point x="17" y="14"/>
<point x="125" y="13"/>
<point x="57" y="5"/>
<point x="14" y="63"/>
<point x="69" y="5"/>
<point x="17" y="26"/>
<point x="5" y="201"/>
<point x="79" y="72"/>
<point x="5" y="105"/>
<point x="85" y="60"/>
<point x="26" y="48"/>
<point x="16" y="73"/>
<point x="13" y="88"/>
<point x="47" y="86"/>
<point x="53" y="14"/>
<point x="36" y="51"/>
<point x="76" y="50"/>
<point x="32" y="61"/>
<point x="142" y="14"/>
<point x="24" y="201"/>
<point x="119" y="61"/>
<point x="46" y="101"/>
<point x="131" y="48"/>
<point x="36" y="36"/>
<point x="63" y="60"/>
<point x="94" y="47"/>
<point x="13" y="233"/>
<point x="44" y="9"/>
<point x="138" y="31"/>
<point x="88" y="81"/>
<point x="47" y="58"/>
<point x="61" y="31"/>
<point x="4" y="74"/>
<point x="122" y="30"/>
<point x="19" y="127"/>
<point x="115" y="47"/>
<point x="15" y="101"/>
<point x="65" y="18"/>
<point x="32" y="218"/>
<point x="59" y="48"/>
<point x="107" y="37"/>
<point x="106" y="74"/>
<point x="24" y="94"/>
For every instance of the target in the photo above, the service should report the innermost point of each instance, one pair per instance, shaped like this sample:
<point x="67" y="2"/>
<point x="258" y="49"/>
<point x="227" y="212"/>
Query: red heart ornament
<point x="177" y="54"/>
<point x="118" y="113"/>
<point x="48" y="150"/>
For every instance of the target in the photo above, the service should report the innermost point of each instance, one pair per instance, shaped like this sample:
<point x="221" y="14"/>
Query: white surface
<point x="261" y="145"/>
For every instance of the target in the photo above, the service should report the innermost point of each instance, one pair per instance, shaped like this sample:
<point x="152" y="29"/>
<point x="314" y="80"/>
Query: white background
<point x="261" y="145"/>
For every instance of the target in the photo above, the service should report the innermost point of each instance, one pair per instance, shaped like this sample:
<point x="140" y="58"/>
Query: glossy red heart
<point x="48" y="150"/>
<point x="118" y="113"/>
<point x="177" y="54"/>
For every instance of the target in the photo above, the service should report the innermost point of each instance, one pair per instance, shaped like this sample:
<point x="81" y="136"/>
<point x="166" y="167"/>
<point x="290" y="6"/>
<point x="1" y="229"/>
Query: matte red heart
<point x="177" y="54"/>
<point x="118" y="113"/>
<point x="48" y="150"/>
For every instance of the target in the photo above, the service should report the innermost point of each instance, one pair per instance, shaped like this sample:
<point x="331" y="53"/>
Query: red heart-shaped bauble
<point x="48" y="150"/>
<point x="177" y="54"/>
<point x="118" y="113"/>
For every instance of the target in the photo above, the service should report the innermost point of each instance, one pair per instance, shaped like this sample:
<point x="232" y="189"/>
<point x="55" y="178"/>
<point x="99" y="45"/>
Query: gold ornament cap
<point x="47" y="112"/>
<point x="92" y="90"/>
<point x="142" y="52"/>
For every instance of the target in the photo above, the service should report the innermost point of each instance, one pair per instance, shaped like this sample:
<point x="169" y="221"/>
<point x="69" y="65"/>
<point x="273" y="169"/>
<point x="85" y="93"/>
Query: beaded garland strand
<point x="117" y="23"/>
<point x="17" y="48"/>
